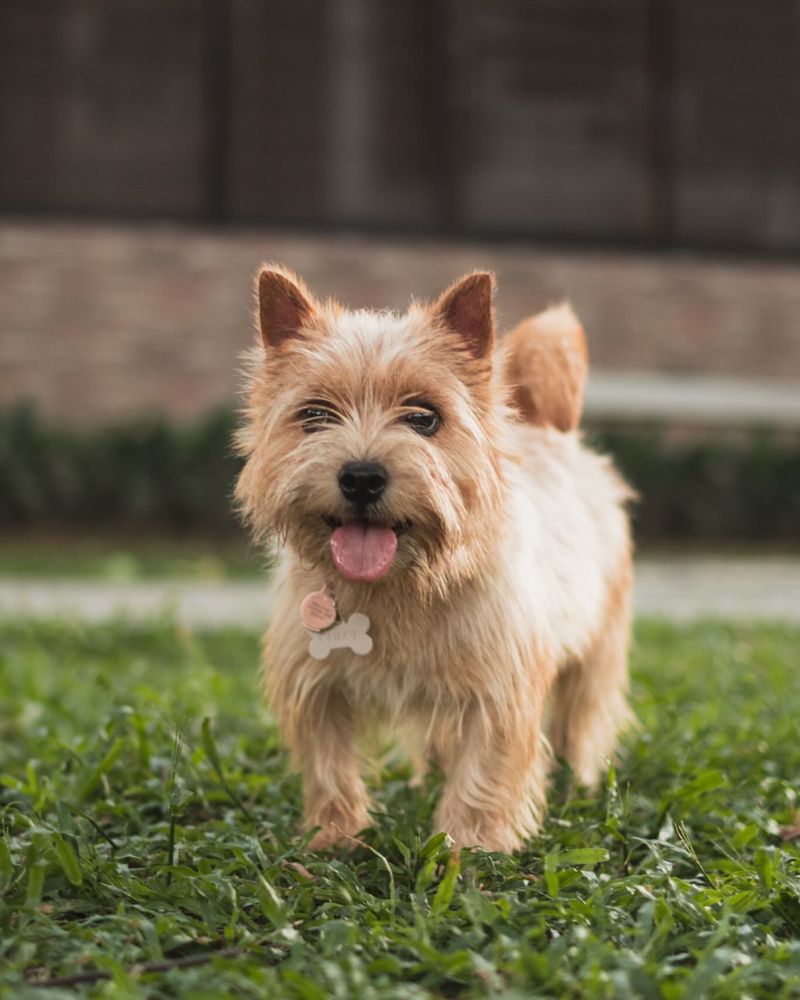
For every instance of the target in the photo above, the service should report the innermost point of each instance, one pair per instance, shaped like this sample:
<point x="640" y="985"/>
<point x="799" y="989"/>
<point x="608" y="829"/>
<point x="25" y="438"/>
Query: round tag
<point x="318" y="611"/>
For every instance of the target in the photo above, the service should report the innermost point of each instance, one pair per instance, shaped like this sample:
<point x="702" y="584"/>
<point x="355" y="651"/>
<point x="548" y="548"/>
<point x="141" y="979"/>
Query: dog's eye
<point x="424" y="421"/>
<point x="316" y="416"/>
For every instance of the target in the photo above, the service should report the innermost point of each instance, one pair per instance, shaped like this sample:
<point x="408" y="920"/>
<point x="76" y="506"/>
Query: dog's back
<point x="582" y="557"/>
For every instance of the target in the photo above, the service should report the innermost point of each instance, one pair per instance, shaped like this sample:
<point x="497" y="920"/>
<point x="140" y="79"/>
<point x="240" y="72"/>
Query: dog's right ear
<point x="285" y="305"/>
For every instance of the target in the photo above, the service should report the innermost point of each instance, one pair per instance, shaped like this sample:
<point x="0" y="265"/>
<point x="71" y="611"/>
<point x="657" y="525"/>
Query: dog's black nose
<point x="362" y="483"/>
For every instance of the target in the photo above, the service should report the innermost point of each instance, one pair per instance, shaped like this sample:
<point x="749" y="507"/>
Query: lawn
<point x="115" y="558"/>
<point x="135" y="835"/>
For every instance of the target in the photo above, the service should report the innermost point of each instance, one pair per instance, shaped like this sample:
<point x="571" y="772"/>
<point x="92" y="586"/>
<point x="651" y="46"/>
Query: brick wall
<point x="99" y="322"/>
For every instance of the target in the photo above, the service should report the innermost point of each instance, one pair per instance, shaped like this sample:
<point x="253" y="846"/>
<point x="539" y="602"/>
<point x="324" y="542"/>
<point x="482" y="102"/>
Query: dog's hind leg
<point x="589" y="700"/>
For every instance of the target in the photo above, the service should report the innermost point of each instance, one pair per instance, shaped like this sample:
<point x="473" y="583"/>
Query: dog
<point x="432" y="484"/>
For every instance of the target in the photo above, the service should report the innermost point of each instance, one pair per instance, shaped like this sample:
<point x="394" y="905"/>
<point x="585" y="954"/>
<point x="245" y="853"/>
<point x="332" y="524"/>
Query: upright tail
<point x="547" y="362"/>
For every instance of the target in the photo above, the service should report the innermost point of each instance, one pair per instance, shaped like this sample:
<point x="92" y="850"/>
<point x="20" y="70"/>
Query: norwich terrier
<point x="456" y="562"/>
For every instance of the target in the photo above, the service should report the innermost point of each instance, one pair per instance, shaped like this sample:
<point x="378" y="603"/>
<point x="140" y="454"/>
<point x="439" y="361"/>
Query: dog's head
<point x="372" y="439"/>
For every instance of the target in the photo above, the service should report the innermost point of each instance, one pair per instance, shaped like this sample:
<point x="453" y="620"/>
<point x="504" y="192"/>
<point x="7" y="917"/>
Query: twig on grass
<point x="106" y="836"/>
<point x="96" y="975"/>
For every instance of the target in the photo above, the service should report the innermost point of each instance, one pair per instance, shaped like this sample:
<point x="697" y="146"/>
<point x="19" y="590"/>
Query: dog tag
<point x="318" y="611"/>
<point x="352" y="634"/>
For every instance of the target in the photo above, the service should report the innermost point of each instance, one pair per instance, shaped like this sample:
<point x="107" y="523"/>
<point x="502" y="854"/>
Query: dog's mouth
<point x="364" y="551"/>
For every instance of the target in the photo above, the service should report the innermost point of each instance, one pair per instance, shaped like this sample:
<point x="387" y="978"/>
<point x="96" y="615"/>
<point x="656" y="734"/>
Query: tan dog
<point x="433" y="483"/>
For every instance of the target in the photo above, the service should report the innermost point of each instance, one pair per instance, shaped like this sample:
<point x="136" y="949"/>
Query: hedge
<point x="714" y="489"/>
<point x="153" y="475"/>
<point x="146" y="473"/>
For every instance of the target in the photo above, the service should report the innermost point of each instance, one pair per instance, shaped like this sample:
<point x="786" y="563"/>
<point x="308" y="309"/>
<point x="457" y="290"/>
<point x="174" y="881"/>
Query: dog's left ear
<point x="466" y="308"/>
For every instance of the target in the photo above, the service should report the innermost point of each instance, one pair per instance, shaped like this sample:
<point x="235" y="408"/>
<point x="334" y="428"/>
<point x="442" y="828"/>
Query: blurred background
<point x="641" y="157"/>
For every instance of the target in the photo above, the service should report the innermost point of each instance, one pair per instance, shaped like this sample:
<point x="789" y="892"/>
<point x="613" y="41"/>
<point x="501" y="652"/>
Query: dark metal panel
<point x="279" y="69"/>
<point x="551" y="104"/>
<point x="737" y="114"/>
<point x="102" y="106"/>
<point x="332" y="112"/>
<point x="658" y="120"/>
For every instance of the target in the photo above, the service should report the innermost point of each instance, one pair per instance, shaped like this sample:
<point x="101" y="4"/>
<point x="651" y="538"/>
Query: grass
<point x="118" y="558"/>
<point x="135" y="836"/>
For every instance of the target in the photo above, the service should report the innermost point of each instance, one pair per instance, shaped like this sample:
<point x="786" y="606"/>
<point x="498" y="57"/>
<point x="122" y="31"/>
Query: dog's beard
<point x="423" y="544"/>
<point x="444" y="527"/>
<point x="444" y="530"/>
<point x="303" y="516"/>
<point x="442" y="503"/>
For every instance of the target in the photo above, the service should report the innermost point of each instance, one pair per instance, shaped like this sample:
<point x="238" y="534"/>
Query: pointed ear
<point x="466" y="309"/>
<point x="285" y="305"/>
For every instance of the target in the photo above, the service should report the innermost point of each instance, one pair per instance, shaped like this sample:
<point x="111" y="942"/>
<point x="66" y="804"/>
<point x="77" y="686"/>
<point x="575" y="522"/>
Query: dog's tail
<point x="547" y="362"/>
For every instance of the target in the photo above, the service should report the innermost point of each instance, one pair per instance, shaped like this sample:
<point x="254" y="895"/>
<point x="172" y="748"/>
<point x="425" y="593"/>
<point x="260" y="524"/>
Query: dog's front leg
<point x="496" y="772"/>
<point x="319" y="729"/>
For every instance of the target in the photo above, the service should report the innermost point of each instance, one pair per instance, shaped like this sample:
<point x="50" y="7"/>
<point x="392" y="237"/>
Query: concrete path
<point x="684" y="589"/>
<point x="710" y="401"/>
<point x="679" y="589"/>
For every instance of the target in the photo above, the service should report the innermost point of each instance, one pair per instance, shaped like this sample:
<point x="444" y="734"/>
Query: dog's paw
<point x="486" y="836"/>
<point x="325" y="838"/>
<point x="500" y="842"/>
<point x="338" y="832"/>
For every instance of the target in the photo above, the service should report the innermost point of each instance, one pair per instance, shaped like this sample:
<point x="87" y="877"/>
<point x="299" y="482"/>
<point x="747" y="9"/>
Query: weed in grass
<point x="148" y="824"/>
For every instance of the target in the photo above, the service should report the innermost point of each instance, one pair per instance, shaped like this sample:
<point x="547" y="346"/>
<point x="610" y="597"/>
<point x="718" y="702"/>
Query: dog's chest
<point x="421" y="657"/>
<point x="406" y="655"/>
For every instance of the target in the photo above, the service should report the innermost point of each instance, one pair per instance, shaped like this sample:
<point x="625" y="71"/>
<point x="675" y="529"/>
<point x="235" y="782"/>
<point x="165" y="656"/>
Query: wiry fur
<point x="511" y="586"/>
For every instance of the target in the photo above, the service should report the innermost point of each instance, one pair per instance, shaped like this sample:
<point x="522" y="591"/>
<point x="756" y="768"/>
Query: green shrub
<point x="147" y="473"/>
<point x="714" y="489"/>
<point x="154" y="475"/>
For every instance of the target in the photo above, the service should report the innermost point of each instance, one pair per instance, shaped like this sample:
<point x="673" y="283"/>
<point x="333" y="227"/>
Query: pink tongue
<point x="363" y="552"/>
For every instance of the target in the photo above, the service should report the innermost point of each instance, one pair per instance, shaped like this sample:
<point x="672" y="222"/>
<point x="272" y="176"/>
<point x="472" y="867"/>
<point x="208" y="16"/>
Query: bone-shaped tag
<point x="351" y="634"/>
